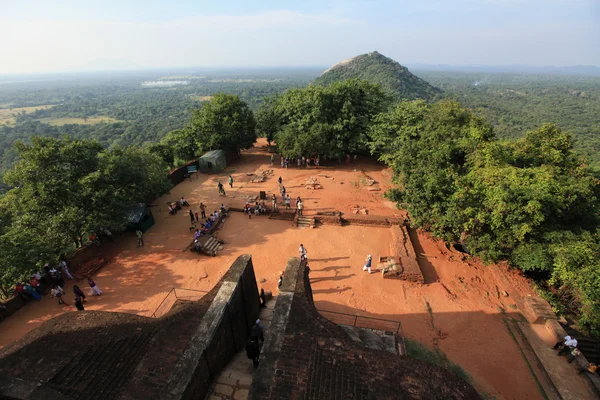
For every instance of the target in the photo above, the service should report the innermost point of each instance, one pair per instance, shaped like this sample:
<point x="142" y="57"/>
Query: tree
<point x="268" y="120"/>
<point x="225" y="122"/>
<point x="331" y="121"/>
<point x="531" y="201"/>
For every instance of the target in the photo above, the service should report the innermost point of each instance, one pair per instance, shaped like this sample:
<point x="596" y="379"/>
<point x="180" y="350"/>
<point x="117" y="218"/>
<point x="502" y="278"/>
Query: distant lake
<point x="164" y="83"/>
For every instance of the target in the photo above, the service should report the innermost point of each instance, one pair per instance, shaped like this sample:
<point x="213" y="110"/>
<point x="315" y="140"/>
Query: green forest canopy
<point x="526" y="197"/>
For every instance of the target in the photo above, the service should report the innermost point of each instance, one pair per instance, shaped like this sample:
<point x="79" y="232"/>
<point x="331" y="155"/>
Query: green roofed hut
<point x="139" y="217"/>
<point x="212" y="162"/>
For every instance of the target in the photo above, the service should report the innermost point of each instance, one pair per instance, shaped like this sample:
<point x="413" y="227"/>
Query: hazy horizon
<point x="67" y="36"/>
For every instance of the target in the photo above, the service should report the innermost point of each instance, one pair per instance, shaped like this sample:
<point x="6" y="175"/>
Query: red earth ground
<point x="459" y="309"/>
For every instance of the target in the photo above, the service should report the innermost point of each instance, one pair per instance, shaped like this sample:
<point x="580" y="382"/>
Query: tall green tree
<point x="225" y="122"/>
<point x="268" y="120"/>
<point x="331" y="121"/>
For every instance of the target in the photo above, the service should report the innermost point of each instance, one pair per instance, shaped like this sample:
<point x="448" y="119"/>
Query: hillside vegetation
<point x="395" y="79"/>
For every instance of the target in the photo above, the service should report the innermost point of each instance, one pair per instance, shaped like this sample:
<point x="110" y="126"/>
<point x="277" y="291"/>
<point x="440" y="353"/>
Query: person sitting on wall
<point x="203" y="228"/>
<point x="197" y="234"/>
<point x="207" y="224"/>
<point x="184" y="202"/>
<point x="212" y="218"/>
<point x="223" y="210"/>
<point x="172" y="210"/>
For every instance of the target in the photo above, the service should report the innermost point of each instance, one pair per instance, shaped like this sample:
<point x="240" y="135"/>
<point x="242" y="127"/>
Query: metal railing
<point x="173" y="295"/>
<point x="360" y="321"/>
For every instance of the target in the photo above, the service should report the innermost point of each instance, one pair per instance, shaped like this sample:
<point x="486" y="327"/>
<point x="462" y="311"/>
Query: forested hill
<point x="374" y="67"/>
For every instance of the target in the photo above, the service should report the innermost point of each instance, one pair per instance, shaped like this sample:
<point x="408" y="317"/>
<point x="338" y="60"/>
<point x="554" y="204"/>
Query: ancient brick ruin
<point x="403" y="264"/>
<point x="306" y="356"/>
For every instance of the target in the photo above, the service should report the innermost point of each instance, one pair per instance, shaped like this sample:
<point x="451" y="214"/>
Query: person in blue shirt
<point x="367" y="266"/>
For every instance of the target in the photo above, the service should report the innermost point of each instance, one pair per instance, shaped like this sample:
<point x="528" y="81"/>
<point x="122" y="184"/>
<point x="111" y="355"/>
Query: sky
<point x="71" y="35"/>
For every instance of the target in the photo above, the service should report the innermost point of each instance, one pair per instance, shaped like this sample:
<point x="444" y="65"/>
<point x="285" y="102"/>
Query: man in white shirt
<point x="302" y="252"/>
<point x="566" y="346"/>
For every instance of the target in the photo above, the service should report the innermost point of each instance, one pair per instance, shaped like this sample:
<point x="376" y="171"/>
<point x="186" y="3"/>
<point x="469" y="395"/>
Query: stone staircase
<point x="234" y="381"/>
<point x="211" y="246"/>
<point x="100" y="371"/>
<point x="305" y="222"/>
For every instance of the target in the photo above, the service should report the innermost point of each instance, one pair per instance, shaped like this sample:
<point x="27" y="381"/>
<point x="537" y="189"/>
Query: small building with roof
<point x="212" y="162"/>
<point x="139" y="217"/>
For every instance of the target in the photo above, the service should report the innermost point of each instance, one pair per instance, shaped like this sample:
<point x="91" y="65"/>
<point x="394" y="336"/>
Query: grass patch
<point x="201" y="98"/>
<point x="416" y="350"/>
<point x="7" y="115"/>
<point x="79" y="121"/>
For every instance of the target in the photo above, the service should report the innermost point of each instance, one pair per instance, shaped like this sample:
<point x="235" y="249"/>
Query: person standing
<point x="281" y="161"/>
<point x="230" y="179"/>
<point x="253" y="350"/>
<point x="196" y="215"/>
<point x="288" y="200"/>
<point x="257" y="331"/>
<point x="65" y="269"/>
<point x="202" y="210"/>
<point x="192" y="220"/>
<point x="140" y="236"/>
<point x="300" y="207"/>
<point x="95" y="289"/>
<point x="57" y="292"/>
<point x="303" y="253"/>
<point x="272" y="158"/>
<point x="282" y="193"/>
<point x="367" y="266"/>
<point x="280" y="181"/>
<point x="78" y="293"/>
<point x="274" y="201"/>
<point x="79" y="304"/>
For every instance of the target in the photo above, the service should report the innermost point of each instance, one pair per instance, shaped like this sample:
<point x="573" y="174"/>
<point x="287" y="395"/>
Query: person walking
<point x="202" y="210"/>
<point x="253" y="350"/>
<point x="303" y="253"/>
<point x="274" y="201"/>
<point x="79" y="304"/>
<point x="288" y="200"/>
<point x="95" y="289"/>
<point x="367" y="266"/>
<point x="57" y="292"/>
<point x="78" y="293"/>
<point x="280" y="181"/>
<point x="192" y="219"/>
<point x="300" y="207"/>
<point x="140" y="237"/>
<point x="272" y="158"/>
<point x="257" y="331"/>
<point x="282" y="193"/>
<point x="63" y="265"/>
<point x="230" y="180"/>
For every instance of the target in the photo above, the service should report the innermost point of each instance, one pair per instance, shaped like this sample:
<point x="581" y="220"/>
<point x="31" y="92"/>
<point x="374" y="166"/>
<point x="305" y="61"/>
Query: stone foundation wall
<point x="405" y="253"/>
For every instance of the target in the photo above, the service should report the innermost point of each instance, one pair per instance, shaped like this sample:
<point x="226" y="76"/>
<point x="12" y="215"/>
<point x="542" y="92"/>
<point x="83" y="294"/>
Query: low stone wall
<point x="328" y="219"/>
<point x="405" y="252"/>
<point x="366" y="220"/>
<point x="221" y="334"/>
<point x="12" y="306"/>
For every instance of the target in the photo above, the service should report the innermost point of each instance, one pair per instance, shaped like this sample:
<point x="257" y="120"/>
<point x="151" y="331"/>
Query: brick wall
<point x="220" y="335"/>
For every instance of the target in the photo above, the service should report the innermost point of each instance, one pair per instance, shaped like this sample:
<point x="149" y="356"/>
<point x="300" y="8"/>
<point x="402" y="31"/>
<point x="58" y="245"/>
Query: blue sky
<point x="42" y="35"/>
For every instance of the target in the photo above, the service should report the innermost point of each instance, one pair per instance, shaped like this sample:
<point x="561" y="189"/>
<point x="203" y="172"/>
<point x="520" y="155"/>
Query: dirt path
<point x="460" y="309"/>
